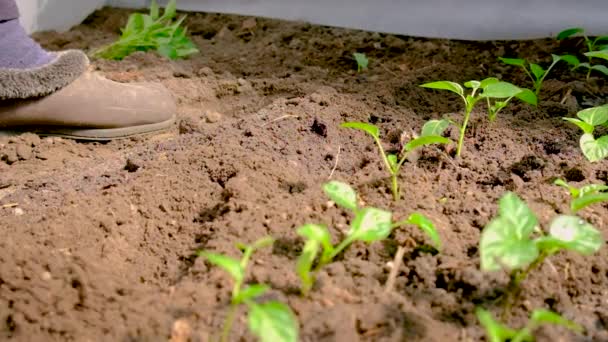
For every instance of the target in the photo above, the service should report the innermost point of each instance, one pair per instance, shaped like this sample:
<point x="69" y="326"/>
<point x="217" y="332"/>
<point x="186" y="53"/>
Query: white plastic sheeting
<point x="40" y="15"/>
<point x="457" y="19"/>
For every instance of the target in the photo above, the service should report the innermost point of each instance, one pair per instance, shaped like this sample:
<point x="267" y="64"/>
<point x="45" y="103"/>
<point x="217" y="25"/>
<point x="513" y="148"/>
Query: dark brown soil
<point x="99" y="240"/>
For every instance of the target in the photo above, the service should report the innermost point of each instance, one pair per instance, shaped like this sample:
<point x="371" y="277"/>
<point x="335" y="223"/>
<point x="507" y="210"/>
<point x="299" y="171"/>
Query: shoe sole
<point x="97" y="134"/>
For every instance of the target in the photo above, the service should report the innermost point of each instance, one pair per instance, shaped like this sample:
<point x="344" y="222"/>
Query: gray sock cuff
<point x="43" y="80"/>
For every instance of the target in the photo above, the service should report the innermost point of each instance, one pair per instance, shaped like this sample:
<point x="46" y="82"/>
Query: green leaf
<point x="472" y="84"/>
<point x="251" y="292"/>
<point x="445" y="85"/>
<point x="576" y="234"/>
<point x="594" y="116"/>
<point x="500" y="90"/>
<point x="304" y="264"/>
<point x="362" y="126"/>
<point x="486" y="82"/>
<point x="601" y="68"/>
<point x="594" y="150"/>
<point x="425" y="140"/>
<point x="434" y="127"/>
<point x="262" y="242"/>
<point x="572" y="60"/>
<point x="371" y="224"/>
<point x="513" y="61"/>
<point x="537" y="71"/>
<point x="505" y="241"/>
<point x="588" y="199"/>
<point x="318" y="233"/>
<point x="362" y="61"/>
<point x="587" y="128"/>
<point x="273" y="322"/>
<point x="591" y="189"/>
<point x="392" y="162"/>
<point x="342" y="194"/>
<point x="542" y="316"/>
<point x="527" y="96"/>
<point x="154" y="10"/>
<point x="574" y="192"/>
<point x="134" y="24"/>
<point x="426" y="226"/>
<point x="569" y="32"/>
<point x="170" y="10"/>
<point x="495" y="331"/>
<point x="230" y="265"/>
<point x="597" y="54"/>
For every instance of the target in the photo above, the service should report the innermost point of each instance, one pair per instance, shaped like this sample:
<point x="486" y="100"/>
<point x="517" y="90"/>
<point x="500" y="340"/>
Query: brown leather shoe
<point x="64" y="99"/>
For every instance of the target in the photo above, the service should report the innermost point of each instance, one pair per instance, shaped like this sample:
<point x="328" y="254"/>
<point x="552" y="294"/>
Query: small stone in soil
<point x="319" y="128"/>
<point x="24" y="152"/>
<point x="213" y="116"/>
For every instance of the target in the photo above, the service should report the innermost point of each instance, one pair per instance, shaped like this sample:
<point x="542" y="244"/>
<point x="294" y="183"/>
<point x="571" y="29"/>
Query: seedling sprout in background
<point x="368" y="225"/>
<point x="498" y="332"/>
<point x="584" y="196"/>
<point x="270" y="320"/>
<point x="506" y="242"/>
<point x="496" y="93"/>
<point x="594" y="47"/>
<point x="151" y="32"/>
<point x="593" y="149"/>
<point x="534" y="71"/>
<point x="431" y="134"/>
<point x="361" y="60"/>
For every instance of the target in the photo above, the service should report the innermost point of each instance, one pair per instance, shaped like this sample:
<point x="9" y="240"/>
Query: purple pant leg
<point x="8" y="10"/>
<point x="17" y="49"/>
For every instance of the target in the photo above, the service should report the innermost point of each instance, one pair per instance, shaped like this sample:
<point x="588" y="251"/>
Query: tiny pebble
<point x="19" y="212"/>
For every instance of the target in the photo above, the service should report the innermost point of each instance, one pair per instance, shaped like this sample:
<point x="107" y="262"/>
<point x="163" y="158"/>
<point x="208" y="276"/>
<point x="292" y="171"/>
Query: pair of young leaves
<point x="431" y="134"/>
<point x="597" y="48"/>
<point x="271" y="321"/>
<point x="506" y="242"/>
<point x="535" y="72"/>
<point x="369" y="225"/>
<point x="588" y="119"/>
<point x="497" y="332"/>
<point x="584" y="196"/>
<point x="151" y="32"/>
<point x="491" y="89"/>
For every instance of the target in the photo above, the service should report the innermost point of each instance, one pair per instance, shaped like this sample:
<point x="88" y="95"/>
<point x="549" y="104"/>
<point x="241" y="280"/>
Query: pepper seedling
<point x="151" y="32"/>
<point x="431" y="134"/>
<point x="498" y="332"/>
<point x="361" y="60"/>
<point x="584" y="196"/>
<point x="534" y="71"/>
<point x="594" y="47"/>
<point x="506" y="242"/>
<point x="496" y="93"/>
<point x="590" y="118"/>
<point x="270" y="320"/>
<point x="368" y="225"/>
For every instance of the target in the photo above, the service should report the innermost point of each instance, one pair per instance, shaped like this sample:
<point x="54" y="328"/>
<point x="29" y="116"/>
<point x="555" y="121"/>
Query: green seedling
<point x="496" y="93"/>
<point x="498" y="332"/>
<point x="584" y="196"/>
<point x="594" y="47"/>
<point x="368" y="225"/>
<point x="151" y="32"/>
<point x="507" y="242"/>
<point x="361" y="60"/>
<point x="431" y="134"/>
<point x="271" y="320"/>
<point x="534" y="71"/>
<point x="588" y="119"/>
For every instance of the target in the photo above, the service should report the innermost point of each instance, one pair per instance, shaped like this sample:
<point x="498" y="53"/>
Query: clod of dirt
<point x="131" y="166"/>
<point x="526" y="165"/>
<point x="189" y="125"/>
<point x="181" y="331"/>
<point x="319" y="128"/>
<point x="9" y="155"/>
<point x="23" y="151"/>
<point x="212" y="116"/>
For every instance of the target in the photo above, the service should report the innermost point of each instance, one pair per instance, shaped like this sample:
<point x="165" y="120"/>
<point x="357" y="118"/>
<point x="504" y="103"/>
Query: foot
<point x="63" y="98"/>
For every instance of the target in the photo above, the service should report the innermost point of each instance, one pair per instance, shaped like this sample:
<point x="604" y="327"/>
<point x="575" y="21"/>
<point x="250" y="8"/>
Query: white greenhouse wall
<point x="458" y="19"/>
